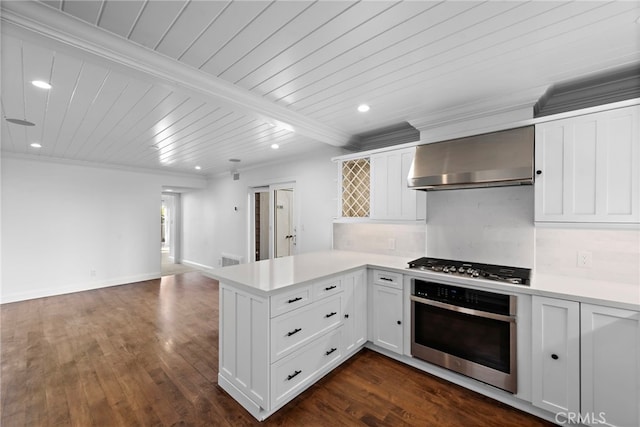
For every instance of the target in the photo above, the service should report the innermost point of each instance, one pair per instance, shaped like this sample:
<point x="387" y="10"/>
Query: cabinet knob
<point x="346" y="316"/>
<point x="554" y="356"/>
<point x="399" y="322"/>
<point x="538" y="172"/>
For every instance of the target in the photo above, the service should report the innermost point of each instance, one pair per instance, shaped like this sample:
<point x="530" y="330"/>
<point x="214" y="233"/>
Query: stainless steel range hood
<point x="488" y="160"/>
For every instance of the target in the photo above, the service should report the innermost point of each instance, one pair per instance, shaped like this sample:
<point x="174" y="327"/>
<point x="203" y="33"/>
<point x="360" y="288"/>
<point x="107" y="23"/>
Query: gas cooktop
<point x="498" y="273"/>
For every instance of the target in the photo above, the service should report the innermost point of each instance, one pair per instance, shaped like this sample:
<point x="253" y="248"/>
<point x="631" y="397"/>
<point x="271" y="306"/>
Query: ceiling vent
<point x="598" y="89"/>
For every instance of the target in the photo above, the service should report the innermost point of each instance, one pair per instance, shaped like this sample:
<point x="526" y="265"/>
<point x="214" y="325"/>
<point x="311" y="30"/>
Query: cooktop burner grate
<point x="498" y="273"/>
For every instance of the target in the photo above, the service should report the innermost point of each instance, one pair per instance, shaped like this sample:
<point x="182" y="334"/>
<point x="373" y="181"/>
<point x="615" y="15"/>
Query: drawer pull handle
<point x="330" y="287"/>
<point x="386" y="279"/>
<point x="554" y="357"/>
<point x="294" y="300"/>
<point x="295" y="331"/>
<point x="333" y="313"/>
<point x="326" y="353"/>
<point x="292" y="376"/>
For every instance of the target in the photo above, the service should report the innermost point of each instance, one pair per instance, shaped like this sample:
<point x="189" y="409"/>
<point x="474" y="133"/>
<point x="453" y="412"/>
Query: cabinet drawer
<point x="293" y="330"/>
<point x="288" y="301"/>
<point x="327" y="287"/>
<point x="387" y="278"/>
<point x="293" y="373"/>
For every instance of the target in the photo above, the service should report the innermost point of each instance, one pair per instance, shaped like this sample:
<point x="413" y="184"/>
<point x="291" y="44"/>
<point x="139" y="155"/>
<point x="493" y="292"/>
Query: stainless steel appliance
<point x="499" y="273"/>
<point x="488" y="160"/>
<point x="469" y="331"/>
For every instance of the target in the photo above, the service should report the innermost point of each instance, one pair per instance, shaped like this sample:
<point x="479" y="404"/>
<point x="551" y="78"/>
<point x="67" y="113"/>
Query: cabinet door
<point x="587" y="168"/>
<point x="390" y="196"/>
<point x="387" y="318"/>
<point x="556" y="354"/>
<point x="355" y="311"/>
<point x="610" y="348"/>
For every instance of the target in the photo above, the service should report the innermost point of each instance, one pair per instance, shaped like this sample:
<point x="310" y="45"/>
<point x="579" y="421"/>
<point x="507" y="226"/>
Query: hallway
<point x="169" y="268"/>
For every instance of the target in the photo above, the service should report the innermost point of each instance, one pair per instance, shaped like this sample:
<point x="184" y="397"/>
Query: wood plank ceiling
<point x="172" y="85"/>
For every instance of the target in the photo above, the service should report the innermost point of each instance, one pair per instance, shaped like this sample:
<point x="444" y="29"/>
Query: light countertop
<point x="270" y="276"/>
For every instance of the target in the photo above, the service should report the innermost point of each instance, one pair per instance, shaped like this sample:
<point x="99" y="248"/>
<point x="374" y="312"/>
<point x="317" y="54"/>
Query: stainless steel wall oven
<point x="472" y="332"/>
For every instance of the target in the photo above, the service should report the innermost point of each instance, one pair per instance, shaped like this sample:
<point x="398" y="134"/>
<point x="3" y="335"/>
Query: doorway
<point x="170" y="235"/>
<point x="272" y="222"/>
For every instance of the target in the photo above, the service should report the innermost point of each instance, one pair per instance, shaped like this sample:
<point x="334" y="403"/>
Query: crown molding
<point x="108" y="166"/>
<point x="46" y="21"/>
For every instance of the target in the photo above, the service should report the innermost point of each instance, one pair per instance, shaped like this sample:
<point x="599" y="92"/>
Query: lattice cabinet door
<point x="356" y="188"/>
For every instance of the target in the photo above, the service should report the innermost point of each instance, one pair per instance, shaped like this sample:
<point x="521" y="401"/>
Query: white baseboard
<point x="53" y="291"/>
<point x="196" y="264"/>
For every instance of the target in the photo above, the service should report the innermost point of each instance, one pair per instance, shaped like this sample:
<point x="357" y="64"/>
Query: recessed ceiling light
<point x="363" y="108"/>
<point x="275" y="146"/>
<point x="35" y="145"/>
<point x="41" y="84"/>
<point x="198" y="168"/>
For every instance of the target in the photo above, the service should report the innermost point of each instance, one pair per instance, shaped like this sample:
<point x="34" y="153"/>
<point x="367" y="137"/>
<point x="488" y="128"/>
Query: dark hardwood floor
<point x="147" y="354"/>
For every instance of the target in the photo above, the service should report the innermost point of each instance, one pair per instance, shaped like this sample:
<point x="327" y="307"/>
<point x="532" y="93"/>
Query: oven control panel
<point x="455" y="295"/>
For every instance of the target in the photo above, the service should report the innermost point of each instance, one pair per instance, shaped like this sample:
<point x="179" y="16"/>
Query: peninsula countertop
<point x="267" y="276"/>
<point x="271" y="276"/>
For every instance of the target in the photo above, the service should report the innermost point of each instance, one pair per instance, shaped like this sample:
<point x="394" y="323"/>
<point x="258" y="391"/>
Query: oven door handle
<point x="464" y="310"/>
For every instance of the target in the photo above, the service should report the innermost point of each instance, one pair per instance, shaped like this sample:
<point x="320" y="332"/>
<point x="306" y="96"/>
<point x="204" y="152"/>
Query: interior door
<point x="284" y="233"/>
<point x="272" y="221"/>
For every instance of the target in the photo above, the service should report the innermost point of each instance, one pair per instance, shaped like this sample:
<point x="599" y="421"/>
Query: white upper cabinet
<point x="587" y="168"/>
<point x="375" y="187"/>
<point x="391" y="198"/>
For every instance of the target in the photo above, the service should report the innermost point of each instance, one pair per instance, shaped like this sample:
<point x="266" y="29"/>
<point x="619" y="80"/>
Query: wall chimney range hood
<point x="489" y="160"/>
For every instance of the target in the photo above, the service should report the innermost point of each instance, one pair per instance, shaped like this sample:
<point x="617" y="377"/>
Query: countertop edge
<point x="357" y="264"/>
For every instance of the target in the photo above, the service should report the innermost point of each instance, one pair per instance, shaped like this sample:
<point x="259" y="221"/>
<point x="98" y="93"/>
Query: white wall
<point x="212" y="226"/>
<point x="70" y="227"/>
<point x="198" y="219"/>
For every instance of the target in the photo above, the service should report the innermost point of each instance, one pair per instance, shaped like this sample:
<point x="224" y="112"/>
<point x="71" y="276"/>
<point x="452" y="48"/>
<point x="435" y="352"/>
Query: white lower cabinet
<point x="272" y="348"/>
<point x="387" y="316"/>
<point x="556" y="354"/>
<point x="355" y="311"/>
<point x="292" y="373"/>
<point x="610" y="350"/>
<point x="586" y="362"/>
<point x="243" y="358"/>
<point x="294" y="329"/>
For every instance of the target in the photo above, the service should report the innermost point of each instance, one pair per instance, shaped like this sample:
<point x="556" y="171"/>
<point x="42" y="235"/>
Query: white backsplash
<point x="409" y="239"/>
<point x="614" y="252"/>
<point x="486" y="225"/>
<point x="495" y="226"/>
